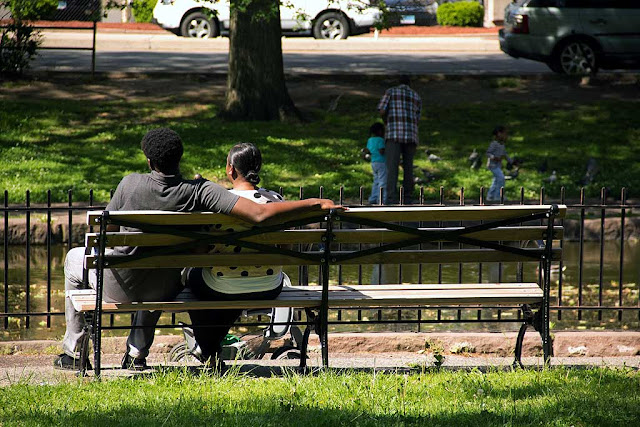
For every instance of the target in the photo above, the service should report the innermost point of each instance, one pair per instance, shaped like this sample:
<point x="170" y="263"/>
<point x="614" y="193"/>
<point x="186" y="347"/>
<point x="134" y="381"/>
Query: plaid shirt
<point x="401" y="108"/>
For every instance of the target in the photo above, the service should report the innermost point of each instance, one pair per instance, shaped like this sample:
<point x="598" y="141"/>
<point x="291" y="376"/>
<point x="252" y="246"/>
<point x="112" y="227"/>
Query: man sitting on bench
<point x="161" y="189"/>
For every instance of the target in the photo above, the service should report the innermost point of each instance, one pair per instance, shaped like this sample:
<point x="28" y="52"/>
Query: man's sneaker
<point x="134" y="364"/>
<point x="66" y="362"/>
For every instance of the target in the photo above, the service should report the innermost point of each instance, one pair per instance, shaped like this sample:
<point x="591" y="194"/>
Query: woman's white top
<point x="245" y="279"/>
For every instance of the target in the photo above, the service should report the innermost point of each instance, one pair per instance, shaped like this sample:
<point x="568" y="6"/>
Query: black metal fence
<point x="596" y="284"/>
<point x="71" y="15"/>
<point x="77" y="10"/>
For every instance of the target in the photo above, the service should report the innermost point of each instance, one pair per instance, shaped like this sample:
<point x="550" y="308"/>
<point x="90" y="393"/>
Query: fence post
<point x="623" y="201"/>
<point x="93" y="49"/>
<point x="561" y="264"/>
<point x="6" y="258"/>
<point x="581" y="252"/>
<point x="49" y="235"/>
<point x="27" y="286"/>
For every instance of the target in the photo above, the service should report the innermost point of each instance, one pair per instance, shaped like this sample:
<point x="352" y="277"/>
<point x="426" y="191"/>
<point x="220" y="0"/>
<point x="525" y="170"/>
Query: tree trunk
<point x="256" y="87"/>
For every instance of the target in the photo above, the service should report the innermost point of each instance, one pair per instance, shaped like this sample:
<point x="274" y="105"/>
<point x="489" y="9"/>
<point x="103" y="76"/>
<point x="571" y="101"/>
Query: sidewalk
<point x="149" y="37"/>
<point x="31" y="361"/>
<point x="38" y="369"/>
<point x="405" y="30"/>
<point x="164" y="41"/>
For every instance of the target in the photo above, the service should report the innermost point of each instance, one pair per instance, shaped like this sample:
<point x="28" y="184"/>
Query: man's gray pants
<point x="392" y="152"/>
<point x="144" y="322"/>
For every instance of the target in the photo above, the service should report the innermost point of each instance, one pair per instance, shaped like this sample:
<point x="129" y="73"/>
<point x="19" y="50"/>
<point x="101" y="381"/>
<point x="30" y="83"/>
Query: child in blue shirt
<point x="495" y="154"/>
<point x="375" y="146"/>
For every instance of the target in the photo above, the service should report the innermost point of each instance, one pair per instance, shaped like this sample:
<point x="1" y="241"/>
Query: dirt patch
<point x="566" y="344"/>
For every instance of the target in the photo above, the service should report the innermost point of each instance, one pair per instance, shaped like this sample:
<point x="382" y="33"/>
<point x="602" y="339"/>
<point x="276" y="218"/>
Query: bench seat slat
<point x="348" y="296"/>
<point x="411" y="286"/>
<point x="365" y="236"/>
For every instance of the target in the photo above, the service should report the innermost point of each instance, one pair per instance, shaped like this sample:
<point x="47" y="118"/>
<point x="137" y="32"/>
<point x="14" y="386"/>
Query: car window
<point x="543" y="3"/>
<point x="596" y="4"/>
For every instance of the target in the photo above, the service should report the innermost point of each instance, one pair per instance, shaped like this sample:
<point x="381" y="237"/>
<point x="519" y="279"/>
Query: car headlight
<point x="167" y="2"/>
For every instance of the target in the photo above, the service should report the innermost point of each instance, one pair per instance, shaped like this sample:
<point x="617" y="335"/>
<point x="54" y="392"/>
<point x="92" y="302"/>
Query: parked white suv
<point x="574" y="36"/>
<point x="325" y="19"/>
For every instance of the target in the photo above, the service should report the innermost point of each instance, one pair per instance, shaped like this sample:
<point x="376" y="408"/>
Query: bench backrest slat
<point x="386" y="213"/>
<point x="447" y="213"/>
<point x="366" y="236"/>
<point x="444" y="256"/>
<point x="217" y="220"/>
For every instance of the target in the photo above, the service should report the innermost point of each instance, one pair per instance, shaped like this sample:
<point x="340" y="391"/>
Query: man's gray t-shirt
<point x="157" y="191"/>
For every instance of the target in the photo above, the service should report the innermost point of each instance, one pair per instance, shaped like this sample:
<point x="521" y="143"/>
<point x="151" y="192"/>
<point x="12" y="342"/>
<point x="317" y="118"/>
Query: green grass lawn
<point x="74" y="144"/>
<point x="556" y="397"/>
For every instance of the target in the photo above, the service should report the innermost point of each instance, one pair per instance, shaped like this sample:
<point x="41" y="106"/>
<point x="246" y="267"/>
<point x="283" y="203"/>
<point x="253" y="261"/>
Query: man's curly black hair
<point x="164" y="148"/>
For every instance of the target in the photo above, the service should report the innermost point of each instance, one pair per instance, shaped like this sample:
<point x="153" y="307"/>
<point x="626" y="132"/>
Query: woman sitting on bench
<point x="233" y="283"/>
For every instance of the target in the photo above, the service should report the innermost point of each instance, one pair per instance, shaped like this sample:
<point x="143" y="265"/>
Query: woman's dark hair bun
<point x="252" y="177"/>
<point x="247" y="161"/>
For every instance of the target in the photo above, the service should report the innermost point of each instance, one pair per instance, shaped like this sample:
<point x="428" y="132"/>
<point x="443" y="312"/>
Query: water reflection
<point x="607" y="291"/>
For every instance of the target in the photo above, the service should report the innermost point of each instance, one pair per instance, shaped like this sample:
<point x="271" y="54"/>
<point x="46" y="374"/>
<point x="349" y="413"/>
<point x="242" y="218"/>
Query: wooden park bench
<point x="380" y="235"/>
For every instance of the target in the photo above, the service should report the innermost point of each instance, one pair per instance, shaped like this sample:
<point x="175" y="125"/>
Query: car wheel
<point x="576" y="58"/>
<point x="331" y="25"/>
<point x="198" y="24"/>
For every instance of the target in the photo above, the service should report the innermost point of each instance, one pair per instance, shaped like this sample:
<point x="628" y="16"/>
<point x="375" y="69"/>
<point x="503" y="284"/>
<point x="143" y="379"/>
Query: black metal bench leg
<point x="84" y="344"/>
<point x="517" y="363"/>
<point x="97" y="344"/>
<point x="547" y="343"/>
<point x="296" y="335"/>
<point x="323" y="334"/>
<point x="303" y="347"/>
<point x="541" y="324"/>
<point x="304" y="342"/>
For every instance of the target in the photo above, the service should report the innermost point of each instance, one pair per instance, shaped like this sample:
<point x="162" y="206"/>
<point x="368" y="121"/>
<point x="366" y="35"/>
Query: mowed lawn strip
<point x="558" y="397"/>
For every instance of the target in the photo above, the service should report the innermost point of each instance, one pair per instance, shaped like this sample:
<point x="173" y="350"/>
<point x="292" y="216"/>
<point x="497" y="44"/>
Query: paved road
<point x="294" y="63"/>
<point x="389" y="55"/>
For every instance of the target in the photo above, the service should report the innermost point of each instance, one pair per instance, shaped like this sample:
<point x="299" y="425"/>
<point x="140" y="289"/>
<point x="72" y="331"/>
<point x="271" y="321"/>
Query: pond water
<point x="596" y="291"/>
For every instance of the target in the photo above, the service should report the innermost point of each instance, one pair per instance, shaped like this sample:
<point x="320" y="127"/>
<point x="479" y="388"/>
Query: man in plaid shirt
<point x="400" y="108"/>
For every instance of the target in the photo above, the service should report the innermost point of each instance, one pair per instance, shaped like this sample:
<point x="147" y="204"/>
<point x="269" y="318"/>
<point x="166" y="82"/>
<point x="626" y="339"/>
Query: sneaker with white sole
<point x="65" y="362"/>
<point x="134" y="364"/>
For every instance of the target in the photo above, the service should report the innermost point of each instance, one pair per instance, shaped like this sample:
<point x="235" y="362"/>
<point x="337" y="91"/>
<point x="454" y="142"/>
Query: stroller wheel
<point x="180" y="353"/>
<point x="286" y="352"/>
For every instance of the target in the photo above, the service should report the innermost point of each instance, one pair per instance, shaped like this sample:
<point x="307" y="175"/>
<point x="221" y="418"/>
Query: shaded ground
<point x="320" y="92"/>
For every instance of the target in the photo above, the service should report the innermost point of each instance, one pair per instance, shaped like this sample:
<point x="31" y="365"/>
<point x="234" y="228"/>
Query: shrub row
<point x="143" y="10"/>
<point x="461" y="14"/>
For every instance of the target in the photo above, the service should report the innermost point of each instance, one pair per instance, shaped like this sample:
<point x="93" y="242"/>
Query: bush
<point x="143" y="10"/>
<point x="19" y="41"/>
<point x="27" y="10"/>
<point x="461" y="14"/>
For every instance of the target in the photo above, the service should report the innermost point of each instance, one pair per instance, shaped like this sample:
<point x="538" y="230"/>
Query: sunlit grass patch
<point x="561" y="397"/>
